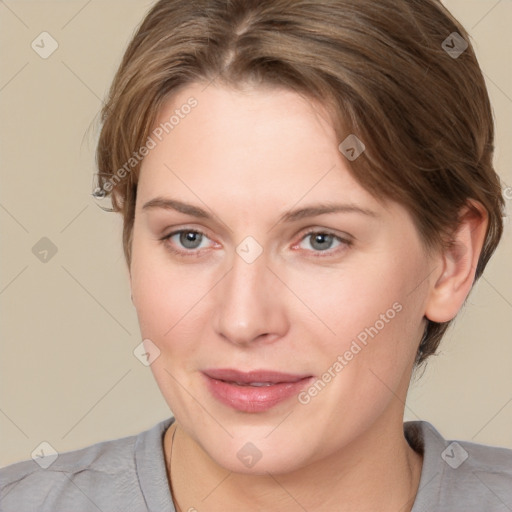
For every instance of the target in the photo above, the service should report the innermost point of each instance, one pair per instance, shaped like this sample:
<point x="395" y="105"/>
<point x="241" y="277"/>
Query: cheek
<point x="153" y="290"/>
<point x="168" y="298"/>
<point x="348" y="300"/>
<point x="361" y="367"/>
<point x="376" y="321"/>
<point x="370" y="313"/>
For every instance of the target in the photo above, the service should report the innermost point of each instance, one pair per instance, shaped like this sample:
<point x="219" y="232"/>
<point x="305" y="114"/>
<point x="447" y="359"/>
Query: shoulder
<point x="460" y="475"/>
<point x="102" y="476"/>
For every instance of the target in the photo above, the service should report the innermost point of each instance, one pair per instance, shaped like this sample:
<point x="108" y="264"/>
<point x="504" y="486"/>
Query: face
<point x="284" y="302"/>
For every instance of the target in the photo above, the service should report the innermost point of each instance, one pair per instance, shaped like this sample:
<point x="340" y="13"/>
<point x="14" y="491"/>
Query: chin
<point x="261" y="457"/>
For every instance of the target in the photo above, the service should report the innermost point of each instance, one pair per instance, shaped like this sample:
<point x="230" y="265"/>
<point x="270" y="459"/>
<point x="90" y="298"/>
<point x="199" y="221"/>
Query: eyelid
<point x="345" y="240"/>
<point x="187" y="229"/>
<point x="345" y="237"/>
<point x="182" y="251"/>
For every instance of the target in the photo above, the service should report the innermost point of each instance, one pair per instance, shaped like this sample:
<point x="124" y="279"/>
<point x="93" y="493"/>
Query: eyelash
<point x="186" y="253"/>
<point x="346" y="242"/>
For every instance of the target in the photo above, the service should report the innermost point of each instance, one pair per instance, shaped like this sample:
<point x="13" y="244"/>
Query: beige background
<point x="68" y="327"/>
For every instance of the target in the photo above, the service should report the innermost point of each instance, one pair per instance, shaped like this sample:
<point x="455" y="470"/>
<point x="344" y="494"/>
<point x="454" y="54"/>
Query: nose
<point x="250" y="304"/>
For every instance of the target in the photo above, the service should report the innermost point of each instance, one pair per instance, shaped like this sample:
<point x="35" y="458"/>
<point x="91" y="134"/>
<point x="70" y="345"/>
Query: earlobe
<point x="457" y="264"/>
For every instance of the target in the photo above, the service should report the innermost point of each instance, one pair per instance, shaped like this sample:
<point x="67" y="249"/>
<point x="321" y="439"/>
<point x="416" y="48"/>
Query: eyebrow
<point x="321" y="209"/>
<point x="173" y="204"/>
<point x="290" y="216"/>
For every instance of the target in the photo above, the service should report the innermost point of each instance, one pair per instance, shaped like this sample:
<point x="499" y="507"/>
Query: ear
<point x="457" y="265"/>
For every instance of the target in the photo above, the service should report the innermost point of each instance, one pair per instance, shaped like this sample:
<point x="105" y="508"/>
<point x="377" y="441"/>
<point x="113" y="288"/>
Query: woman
<point x="308" y="196"/>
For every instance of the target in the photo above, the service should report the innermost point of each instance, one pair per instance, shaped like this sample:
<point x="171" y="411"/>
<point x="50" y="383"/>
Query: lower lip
<point x="254" y="398"/>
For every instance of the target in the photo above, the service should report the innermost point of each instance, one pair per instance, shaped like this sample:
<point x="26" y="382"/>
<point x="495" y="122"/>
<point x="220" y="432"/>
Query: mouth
<point x="253" y="391"/>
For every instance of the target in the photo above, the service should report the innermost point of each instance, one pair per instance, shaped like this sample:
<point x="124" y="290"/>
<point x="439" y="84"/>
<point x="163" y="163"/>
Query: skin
<point x="247" y="157"/>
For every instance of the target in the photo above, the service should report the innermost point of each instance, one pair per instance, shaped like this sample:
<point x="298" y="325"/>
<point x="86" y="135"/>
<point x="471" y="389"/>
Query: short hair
<point x="401" y="75"/>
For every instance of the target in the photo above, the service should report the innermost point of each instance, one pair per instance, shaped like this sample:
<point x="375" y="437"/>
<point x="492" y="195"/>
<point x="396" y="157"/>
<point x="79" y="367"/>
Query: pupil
<point x="190" y="240"/>
<point x="322" y="241"/>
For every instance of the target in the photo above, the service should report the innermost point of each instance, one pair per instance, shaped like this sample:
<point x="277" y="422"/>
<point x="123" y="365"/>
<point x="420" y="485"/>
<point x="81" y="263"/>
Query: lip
<point x="231" y="388"/>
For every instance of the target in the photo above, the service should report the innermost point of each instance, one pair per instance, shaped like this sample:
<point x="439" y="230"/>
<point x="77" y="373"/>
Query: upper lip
<point x="230" y="375"/>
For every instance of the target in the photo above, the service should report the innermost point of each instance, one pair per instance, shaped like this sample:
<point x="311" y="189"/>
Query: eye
<point x="186" y="241"/>
<point x="323" y="241"/>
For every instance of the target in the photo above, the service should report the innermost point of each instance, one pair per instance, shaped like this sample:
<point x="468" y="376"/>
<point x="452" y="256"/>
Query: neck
<point x="367" y="475"/>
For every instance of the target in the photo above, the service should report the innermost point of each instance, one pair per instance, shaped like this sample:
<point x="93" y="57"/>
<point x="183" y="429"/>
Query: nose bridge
<point x="248" y="304"/>
<point x="246" y="281"/>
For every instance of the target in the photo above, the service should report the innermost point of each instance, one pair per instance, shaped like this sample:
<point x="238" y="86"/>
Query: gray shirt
<point x="129" y="475"/>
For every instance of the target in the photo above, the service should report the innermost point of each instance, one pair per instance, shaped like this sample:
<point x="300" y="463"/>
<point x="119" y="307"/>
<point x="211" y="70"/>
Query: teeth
<point x="257" y="384"/>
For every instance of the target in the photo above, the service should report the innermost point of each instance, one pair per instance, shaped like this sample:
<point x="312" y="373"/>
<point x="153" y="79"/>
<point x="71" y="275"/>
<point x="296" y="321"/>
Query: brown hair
<point x="390" y="71"/>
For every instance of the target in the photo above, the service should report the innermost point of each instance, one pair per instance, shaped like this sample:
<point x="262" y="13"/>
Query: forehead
<point x="241" y="121"/>
<point x="259" y="138"/>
